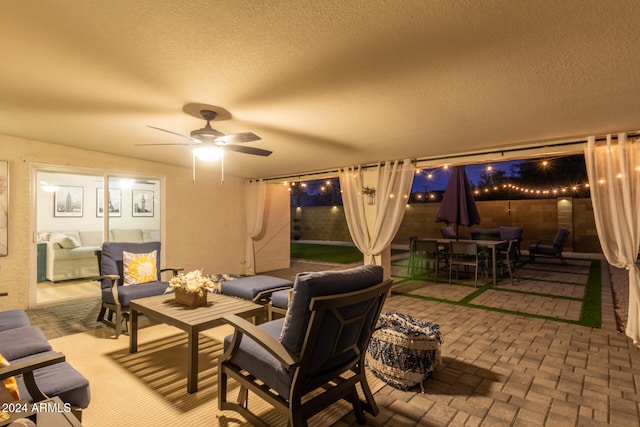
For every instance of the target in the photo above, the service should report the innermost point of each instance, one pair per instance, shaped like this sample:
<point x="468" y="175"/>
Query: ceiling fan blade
<point x="183" y="144"/>
<point x="173" y="133"/>
<point x="247" y="150"/>
<point x="238" y="137"/>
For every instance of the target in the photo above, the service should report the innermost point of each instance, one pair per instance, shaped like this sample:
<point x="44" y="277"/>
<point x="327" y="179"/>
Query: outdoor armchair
<point x="554" y="249"/>
<point x="128" y="271"/>
<point x="313" y="357"/>
<point x="46" y="375"/>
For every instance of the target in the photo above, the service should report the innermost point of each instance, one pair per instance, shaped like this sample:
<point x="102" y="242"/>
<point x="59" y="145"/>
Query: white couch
<point x="71" y="254"/>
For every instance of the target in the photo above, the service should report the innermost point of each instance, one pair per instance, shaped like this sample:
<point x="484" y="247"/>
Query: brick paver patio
<point x="499" y="369"/>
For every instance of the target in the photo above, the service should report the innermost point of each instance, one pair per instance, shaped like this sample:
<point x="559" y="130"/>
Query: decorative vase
<point x="191" y="299"/>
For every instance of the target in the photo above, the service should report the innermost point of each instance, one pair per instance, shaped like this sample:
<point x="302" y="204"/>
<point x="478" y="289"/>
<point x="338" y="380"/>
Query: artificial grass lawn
<point x="327" y="253"/>
<point x="590" y="314"/>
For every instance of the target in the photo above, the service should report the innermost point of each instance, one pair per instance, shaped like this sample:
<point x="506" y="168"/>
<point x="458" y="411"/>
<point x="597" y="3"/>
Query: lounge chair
<point x="554" y="249"/>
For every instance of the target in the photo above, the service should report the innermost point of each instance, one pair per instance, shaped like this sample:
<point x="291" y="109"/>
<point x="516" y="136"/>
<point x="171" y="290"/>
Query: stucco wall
<point x="322" y="223"/>
<point x="199" y="230"/>
<point x="539" y="219"/>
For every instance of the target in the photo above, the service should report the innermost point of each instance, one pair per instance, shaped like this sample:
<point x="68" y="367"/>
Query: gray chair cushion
<point x="128" y="293"/>
<point x="280" y="299"/>
<point x="544" y="250"/>
<point x="22" y="342"/>
<point x="309" y="285"/>
<point x="255" y="359"/>
<point x="60" y="379"/>
<point x="11" y="319"/>
<point x="250" y="287"/>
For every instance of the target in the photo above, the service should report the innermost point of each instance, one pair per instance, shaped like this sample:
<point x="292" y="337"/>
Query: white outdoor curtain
<point x="255" y="198"/>
<point x="614" y="180"/>
<point x="392" y="192"/>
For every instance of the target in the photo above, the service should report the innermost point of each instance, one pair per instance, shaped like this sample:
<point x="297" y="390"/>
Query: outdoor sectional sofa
<point x="29" y="353"/>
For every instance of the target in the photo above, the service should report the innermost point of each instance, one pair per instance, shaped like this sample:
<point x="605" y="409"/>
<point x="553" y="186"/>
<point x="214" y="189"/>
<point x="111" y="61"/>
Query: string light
<point x="517" y="191"/>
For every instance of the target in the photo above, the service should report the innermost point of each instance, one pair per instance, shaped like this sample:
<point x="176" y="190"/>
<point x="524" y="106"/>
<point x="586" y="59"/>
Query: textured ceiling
<point x="325" y="83"/>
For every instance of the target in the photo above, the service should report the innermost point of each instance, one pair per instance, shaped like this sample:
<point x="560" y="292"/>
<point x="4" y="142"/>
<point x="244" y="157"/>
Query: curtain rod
<point x="299" y="176"/>
<point x="535" y="145"/>
<point x="551" y="144"/>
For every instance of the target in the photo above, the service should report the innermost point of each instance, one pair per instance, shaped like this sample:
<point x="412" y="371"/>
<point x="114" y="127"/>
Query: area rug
<point x="148" y="388"/>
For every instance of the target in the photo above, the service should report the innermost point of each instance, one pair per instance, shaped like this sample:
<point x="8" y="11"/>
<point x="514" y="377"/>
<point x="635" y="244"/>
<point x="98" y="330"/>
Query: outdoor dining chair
<point x="512" y="233"/>
<point x="466" y="254"/>
<point x="506" y="258"/>
<point x="426" y="257"/>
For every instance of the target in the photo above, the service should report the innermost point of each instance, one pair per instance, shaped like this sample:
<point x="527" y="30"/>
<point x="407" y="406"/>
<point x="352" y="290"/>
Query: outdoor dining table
<point x="491" y="244"/>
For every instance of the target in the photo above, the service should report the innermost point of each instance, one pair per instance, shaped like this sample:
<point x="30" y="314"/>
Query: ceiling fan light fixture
<point x="208" y="153"/>
<point x="205" y="134"/>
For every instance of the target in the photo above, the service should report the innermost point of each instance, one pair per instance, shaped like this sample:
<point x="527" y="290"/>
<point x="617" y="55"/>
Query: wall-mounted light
<point x="50" y="188"/>
<point x="370" y="193"/>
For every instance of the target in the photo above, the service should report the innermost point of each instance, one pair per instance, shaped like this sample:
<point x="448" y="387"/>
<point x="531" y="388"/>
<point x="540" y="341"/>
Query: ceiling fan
<point x="212" y="137"/>
<point x="209" y="143"/>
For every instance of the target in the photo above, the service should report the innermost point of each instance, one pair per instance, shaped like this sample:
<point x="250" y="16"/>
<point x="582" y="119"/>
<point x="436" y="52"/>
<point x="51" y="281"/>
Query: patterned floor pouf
<point x="404" y="351"/>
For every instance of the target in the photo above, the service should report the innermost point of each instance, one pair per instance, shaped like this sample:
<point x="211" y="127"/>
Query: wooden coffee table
<point x="191" y="320"/>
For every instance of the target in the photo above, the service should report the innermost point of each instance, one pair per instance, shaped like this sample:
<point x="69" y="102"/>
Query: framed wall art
<point x="68" y="201"/>
<point x="142" y="203"/>
<point x="4" y="208"/>
<point x="115" y="202"/>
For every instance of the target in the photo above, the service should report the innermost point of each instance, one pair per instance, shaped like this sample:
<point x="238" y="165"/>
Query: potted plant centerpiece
<point x="191" y="288"/>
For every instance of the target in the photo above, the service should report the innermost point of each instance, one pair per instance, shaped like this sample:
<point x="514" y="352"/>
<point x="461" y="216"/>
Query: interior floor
<point x="68" y="290"/>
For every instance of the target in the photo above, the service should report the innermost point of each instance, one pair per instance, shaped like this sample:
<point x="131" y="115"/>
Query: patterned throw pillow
<point x="139" y="268"/>
<point x="218" y="278"/>
<point x="9" y="392"/>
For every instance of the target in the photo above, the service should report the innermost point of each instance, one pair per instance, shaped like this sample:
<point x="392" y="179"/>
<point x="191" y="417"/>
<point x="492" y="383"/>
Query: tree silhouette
<point x="540" y="177"/>
<point x="554" y="172"/>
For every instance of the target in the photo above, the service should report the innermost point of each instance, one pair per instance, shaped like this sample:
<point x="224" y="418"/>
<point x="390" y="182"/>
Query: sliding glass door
<point x="76" y="212"/>
<point x="134" y="209"/>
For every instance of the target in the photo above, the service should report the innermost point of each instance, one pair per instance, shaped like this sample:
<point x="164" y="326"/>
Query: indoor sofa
<point x="72" y="254"/>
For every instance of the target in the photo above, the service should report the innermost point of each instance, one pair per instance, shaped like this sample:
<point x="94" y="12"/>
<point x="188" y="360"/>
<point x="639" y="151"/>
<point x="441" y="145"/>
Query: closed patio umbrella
<point x="458" y="205"/>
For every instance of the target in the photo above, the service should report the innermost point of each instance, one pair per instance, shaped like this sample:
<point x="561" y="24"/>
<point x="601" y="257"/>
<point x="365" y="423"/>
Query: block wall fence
<point x="539" y="219"/>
